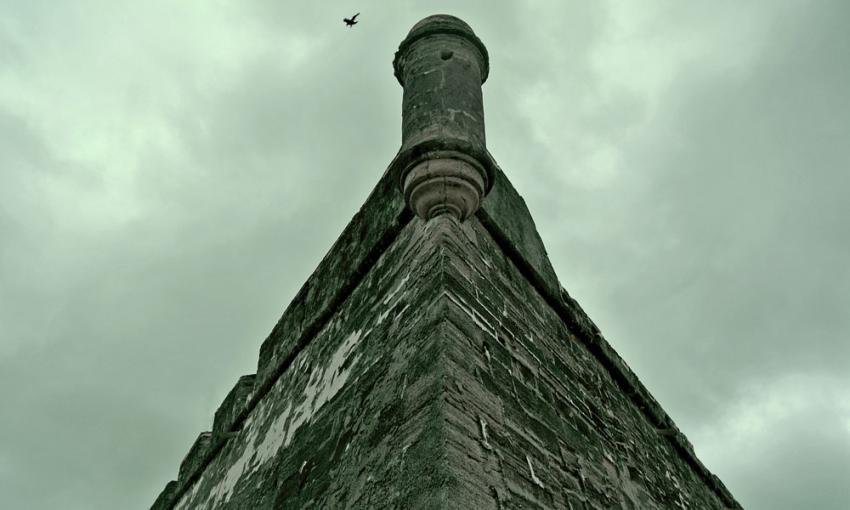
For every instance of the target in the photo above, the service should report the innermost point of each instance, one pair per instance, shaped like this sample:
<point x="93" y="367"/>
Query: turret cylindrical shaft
<point x="443" y="161"/>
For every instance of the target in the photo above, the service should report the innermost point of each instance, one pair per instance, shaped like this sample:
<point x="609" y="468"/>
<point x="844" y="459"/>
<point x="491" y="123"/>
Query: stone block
<point x="228" y="413"/>
<point x="196" y="456"/>
<point x="164" y="500"/>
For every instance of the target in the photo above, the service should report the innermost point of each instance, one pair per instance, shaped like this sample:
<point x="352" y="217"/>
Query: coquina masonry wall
<point x="533" y="419"/>
<point x="446" y="381"/>
<point x="355" y="420"/>
<point x="433" y="363"/>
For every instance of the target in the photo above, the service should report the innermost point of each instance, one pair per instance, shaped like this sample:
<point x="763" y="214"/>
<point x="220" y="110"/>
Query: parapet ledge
<point x="229" y="415"/>
<point x="506" y="216"/>
<point x="228" y="419"/>
<point x="195" y="458"/>
<point x="587" y="333"/>
<point x="166" y="497"/>
<point x="363" y="240"/>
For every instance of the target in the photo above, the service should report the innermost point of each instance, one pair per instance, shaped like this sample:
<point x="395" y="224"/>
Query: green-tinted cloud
<point x="173" y="172"/>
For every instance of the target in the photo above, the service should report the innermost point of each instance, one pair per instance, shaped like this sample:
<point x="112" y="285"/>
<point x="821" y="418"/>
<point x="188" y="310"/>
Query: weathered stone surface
<point x="196" y="456"/>
<point x="551" y="424"/>
<point x="363" y="240"/>
<point x="441" y="64"/>
<point x="355" y="422"/>
<point x="447" y="381"/>
<point x="507" y="218"/>
<point x="443" y="163"/>
<point x="165" y="499"/>
<point x="444" y="183"/>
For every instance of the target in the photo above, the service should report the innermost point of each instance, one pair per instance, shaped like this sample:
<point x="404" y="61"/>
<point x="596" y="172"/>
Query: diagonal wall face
<point x="355" y="421"/>
<point x="533" y="419"/>
<point x="445" y="379"/>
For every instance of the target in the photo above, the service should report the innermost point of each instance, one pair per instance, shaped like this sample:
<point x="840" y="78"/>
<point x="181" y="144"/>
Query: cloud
<point x="173" y="173"/>
<point x="740" y="241"/>
<point x="699" y="217"/>
<point x="785" y="444"/>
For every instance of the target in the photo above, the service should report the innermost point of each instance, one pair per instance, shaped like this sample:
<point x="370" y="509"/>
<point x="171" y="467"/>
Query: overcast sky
<point x="172" y="172"/>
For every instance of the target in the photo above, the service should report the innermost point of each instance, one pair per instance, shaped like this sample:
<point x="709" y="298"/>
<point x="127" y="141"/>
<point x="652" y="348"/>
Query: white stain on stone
<point x="400" y="312"/>
<point x="274" y="438"/>
<point x="392" y="293"/>
<point x="390" y="297"/>
<point x="403" y="387"/>
<point x="322" y="385"/>
<point x="383" y="315"/>
<point x="471" y="313"/>
<point x="453" y="112"/>
<point x="223" y="490"/>
<point x="533" y="476"/>
<point x="181" y="505"/>
<point x="484" y="433"/>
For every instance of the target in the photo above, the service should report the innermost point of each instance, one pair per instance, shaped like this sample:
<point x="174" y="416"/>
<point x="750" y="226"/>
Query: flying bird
<point x="350" y="22"/>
